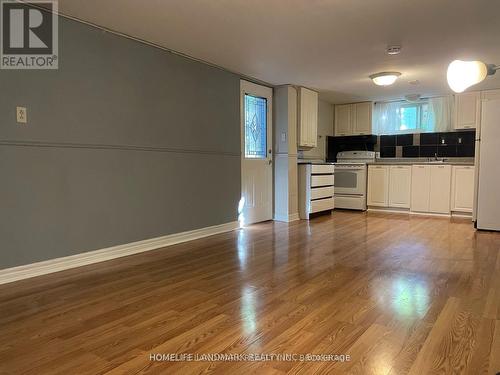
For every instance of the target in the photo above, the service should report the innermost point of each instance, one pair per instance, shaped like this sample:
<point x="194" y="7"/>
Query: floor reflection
<point x="404" y="296"/>
<point x="242" y="248"/>
<point x="409" y="297"/>
<point x="248" y="310"/>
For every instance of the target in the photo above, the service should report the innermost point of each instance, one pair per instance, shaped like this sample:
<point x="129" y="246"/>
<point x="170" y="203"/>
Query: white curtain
<point x="437" y="118"/>
<point x="386" y="118"/>
<point x="441" y="110"/>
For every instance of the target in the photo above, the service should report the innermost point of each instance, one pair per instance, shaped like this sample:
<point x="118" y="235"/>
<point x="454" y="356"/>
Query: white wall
<point x="325" y="128"/>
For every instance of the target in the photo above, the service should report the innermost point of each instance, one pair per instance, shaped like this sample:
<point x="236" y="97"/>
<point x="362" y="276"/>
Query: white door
<point x="467" y="110"/>
<point x="420" y="188"/>
<point x="378" y="185"/>
<point x="342" y="120"/>
<point x="256" y="158"/>
<point x="400" y="186"/>
<point x="462" y="195"/>
<point x="440" y="191"/>
<point x="362" y="122"/>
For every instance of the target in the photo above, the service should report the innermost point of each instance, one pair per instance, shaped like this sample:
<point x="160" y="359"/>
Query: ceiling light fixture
<point x="384" y="78"/>
<point x="464" y="74"/>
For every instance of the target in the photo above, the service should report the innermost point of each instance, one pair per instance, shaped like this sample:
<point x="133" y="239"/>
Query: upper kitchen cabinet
<point x="353" y="119"/>
<point x="467" y="110"/>
<point x="307" y="135"/>
<point x="362" y="118"/>
<point x="342" y="120"/>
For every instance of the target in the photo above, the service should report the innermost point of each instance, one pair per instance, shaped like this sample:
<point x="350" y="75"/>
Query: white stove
<point x="351" y="179"/>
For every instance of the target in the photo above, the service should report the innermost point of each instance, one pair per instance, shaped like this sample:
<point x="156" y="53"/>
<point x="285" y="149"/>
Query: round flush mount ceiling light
<point x="384" y="78"/>
<point x="464" y="74"/>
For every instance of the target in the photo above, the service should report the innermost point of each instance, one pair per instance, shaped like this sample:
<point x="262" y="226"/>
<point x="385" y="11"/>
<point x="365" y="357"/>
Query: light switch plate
<point x="22" y="115"/>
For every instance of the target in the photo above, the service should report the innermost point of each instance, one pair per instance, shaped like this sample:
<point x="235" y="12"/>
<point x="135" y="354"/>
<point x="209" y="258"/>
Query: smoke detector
<point x="393" y="50"/>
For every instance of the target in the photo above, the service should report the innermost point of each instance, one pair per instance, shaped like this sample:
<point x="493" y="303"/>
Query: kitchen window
<point x="430" y="115"/>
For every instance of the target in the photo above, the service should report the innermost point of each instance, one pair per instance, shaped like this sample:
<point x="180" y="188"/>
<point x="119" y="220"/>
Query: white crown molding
<point x="9" y="275"/>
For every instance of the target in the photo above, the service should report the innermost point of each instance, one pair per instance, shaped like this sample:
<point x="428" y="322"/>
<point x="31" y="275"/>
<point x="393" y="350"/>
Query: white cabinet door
<point x="343" y="120"/>
<point x="467" y="110"/>
<point x="420" y="188"/>
<point x="490" y="95"/>
<point x="440" y="191"/>
<point x="362" y="118"/>
<point x="378" y="185"/>
<point x="400" y="186"/>
<point x="308" y="118"/>
<point x="462" y="188"/>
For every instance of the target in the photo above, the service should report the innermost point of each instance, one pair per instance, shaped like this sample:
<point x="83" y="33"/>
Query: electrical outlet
<point x="22" y="115"/>
<point x="283" y="137"/>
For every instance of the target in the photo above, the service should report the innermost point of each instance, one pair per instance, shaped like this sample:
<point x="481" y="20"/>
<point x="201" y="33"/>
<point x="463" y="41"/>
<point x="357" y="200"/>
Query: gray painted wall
<point x="124" y="142"/>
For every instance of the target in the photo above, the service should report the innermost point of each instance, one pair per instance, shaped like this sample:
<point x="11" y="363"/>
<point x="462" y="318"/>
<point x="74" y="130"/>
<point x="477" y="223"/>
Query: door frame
<point x="266" y="92"/>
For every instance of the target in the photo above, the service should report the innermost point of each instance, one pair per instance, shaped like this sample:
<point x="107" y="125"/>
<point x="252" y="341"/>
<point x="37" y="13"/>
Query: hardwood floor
<point x="399" y="295"/>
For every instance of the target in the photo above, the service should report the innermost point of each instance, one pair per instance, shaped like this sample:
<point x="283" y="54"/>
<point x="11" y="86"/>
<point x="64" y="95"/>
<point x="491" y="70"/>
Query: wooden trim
<point x="9" y="275"/>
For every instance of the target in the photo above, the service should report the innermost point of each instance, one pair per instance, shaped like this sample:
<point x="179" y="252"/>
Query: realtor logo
<point x="29" y="35"/>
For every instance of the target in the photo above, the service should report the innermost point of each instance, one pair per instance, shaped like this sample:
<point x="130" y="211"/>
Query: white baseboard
<point x="406" y="211"/>
<point x="287" y="218"/>
<point x="9" y="275"/>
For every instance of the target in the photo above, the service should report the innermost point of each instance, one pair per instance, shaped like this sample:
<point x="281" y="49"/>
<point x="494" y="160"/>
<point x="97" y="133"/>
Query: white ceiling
<point x="328" y="45"/>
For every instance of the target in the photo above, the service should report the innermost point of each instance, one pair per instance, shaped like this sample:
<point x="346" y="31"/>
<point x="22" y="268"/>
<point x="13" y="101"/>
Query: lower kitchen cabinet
<point x="389" y="186"/>
<point x="462" y="188"/>
<point x="400" y="186"/>
<point x="316" y="189"/>
<point x="438" y="189"/>
<point x="431" y="188"/>
<point x="420" y="187"/>
<point x="378" y="185"/>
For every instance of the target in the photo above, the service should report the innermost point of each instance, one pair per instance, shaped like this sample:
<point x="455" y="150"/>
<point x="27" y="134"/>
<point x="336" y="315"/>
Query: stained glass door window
<point x="255" y="127"/>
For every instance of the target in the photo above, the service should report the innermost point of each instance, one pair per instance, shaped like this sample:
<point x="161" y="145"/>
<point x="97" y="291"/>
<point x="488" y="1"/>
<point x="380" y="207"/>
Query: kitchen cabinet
<point x="462" y="188"/>
<point x="307" y="135"/>
<point x="362" y="118"/>
<point x="316" y="188"/>
<point x="353" y="119"/>
<point x="378" y="185"/>
<point x="399" y="186"/>
<point x="467" y="110"/>
<point x="431" y="188"/>
<point x="420" y="185"/>
<point x="342" y="120"/>
<point x="440" y="189"/>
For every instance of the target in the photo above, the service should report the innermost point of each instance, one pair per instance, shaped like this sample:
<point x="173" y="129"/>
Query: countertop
<point x="315" y="162"/>
<point x="411" y="161"/>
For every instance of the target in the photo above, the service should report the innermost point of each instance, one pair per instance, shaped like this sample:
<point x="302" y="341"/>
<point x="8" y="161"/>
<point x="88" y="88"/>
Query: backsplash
<point x="449" y="144"/>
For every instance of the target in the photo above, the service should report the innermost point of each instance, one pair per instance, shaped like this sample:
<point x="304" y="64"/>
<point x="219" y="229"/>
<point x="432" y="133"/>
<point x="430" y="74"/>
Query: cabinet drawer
<point x="322" y="205"/>
<point x="324" y="180"/>
<point x="322" y="168"/>
<point x="322" y="192"/>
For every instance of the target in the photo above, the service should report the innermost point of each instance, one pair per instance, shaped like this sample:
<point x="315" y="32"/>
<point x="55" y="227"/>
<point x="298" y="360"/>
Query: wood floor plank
<point x="398" y="294"/>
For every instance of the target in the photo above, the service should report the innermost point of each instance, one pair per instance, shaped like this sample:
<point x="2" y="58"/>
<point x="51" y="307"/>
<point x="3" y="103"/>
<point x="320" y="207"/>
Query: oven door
<point x="350" y="180"/>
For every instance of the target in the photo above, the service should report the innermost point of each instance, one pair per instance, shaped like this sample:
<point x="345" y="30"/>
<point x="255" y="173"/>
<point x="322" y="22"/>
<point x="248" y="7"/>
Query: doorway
<point x="256" y="203"/>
